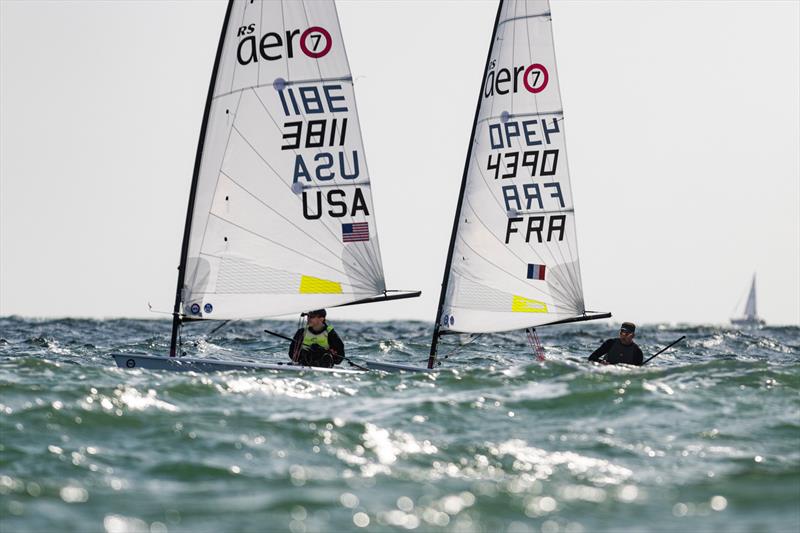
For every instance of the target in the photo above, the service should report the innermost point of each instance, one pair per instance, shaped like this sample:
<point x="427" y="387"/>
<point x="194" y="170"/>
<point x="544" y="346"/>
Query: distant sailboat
<point x="280" y="217"/>
<point x="513" y="261"/>
<point x="750" y="318"/>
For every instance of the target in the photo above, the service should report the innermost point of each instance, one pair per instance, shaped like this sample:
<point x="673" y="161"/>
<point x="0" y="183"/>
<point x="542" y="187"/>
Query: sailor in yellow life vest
<point x="317" y="344"/>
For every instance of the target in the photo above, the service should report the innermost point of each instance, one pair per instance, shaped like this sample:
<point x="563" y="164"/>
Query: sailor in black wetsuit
<point x="622" y="350"/>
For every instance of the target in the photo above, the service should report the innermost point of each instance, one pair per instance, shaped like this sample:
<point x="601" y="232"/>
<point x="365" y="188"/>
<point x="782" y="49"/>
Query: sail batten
<point x="522" y="115"/>
<point x="282" y="218"/>
<point x="287" y="83"/>
<point x="512" y="19"/>
<point x="514" y="260"/>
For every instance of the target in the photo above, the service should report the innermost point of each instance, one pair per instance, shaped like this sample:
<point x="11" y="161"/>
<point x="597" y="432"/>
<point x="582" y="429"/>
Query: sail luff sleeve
<point x="193" y="188"/>
<point x="454" y="233"/>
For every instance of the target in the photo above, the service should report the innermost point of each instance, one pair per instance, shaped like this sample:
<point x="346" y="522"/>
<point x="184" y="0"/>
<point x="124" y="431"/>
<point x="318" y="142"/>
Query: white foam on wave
<point x="387" y="446"/>
<point x="534" y="464"/>
<point x="133" y="399"/>
<point x="289" y="387"/>
<point x="540" y="391"/>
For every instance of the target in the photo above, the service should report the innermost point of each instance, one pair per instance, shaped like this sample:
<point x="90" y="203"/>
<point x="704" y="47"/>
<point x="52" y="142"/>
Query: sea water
<point x="704" y="438"/>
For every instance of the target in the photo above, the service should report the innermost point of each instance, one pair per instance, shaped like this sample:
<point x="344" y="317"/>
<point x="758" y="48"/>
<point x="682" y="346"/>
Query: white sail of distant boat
<point x="750" y="316"/>
<point x="280" y="218"/>
<point x="513" y="259"/>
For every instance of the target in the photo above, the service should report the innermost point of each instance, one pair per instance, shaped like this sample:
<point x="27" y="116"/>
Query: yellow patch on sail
<point x="526" y="305"/>
<point x="312" y="285"/>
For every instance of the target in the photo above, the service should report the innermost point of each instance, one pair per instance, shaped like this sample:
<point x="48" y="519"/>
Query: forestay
<point x="283" y="219"/>
<point x="514" y="260"/>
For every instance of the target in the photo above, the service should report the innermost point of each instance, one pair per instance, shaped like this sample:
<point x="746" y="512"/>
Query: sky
<point x="682" y="124"/>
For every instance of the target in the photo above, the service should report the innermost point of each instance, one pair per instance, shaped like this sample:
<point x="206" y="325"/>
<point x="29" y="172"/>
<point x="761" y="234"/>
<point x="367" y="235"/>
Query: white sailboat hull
<point x="191" y="364"/>
<point x="395" y="367"/>
<point x="747" y="322"/>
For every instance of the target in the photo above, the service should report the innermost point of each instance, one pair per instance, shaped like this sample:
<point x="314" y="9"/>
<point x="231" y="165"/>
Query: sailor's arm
<point x="638" y="357"/>
<point x="336" y="347"/>
<point x="601" y="351"/>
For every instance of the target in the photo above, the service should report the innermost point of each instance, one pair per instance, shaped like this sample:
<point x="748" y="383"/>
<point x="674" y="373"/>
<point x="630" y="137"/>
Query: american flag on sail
<point x="355" y="231"/>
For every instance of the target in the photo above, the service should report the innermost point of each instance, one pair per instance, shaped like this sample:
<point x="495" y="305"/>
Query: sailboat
<point x="750" y="317"/>
<point x="512" y="263"/>
<point x="280" y="217"/>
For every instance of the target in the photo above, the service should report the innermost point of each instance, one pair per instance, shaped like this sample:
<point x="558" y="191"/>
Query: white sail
<point x="750" y="312"/>
<point x="283" y="219"/>
<point x="750" y="317"/>
<point x="514" y="262"/>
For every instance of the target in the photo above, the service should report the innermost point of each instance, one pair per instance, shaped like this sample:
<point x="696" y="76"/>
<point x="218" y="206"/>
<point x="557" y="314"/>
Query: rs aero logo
<point x="533" y="78"/>
<point x="314" y="42"/>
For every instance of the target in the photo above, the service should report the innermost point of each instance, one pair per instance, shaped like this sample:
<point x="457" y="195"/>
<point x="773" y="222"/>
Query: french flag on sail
<point x="535" y="271"/>
<point x="355" y="231"/>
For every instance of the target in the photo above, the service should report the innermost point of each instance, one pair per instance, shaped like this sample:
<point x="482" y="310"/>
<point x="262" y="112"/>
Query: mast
<point x="446" y="277"/>
<point x="176" y="319"/>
